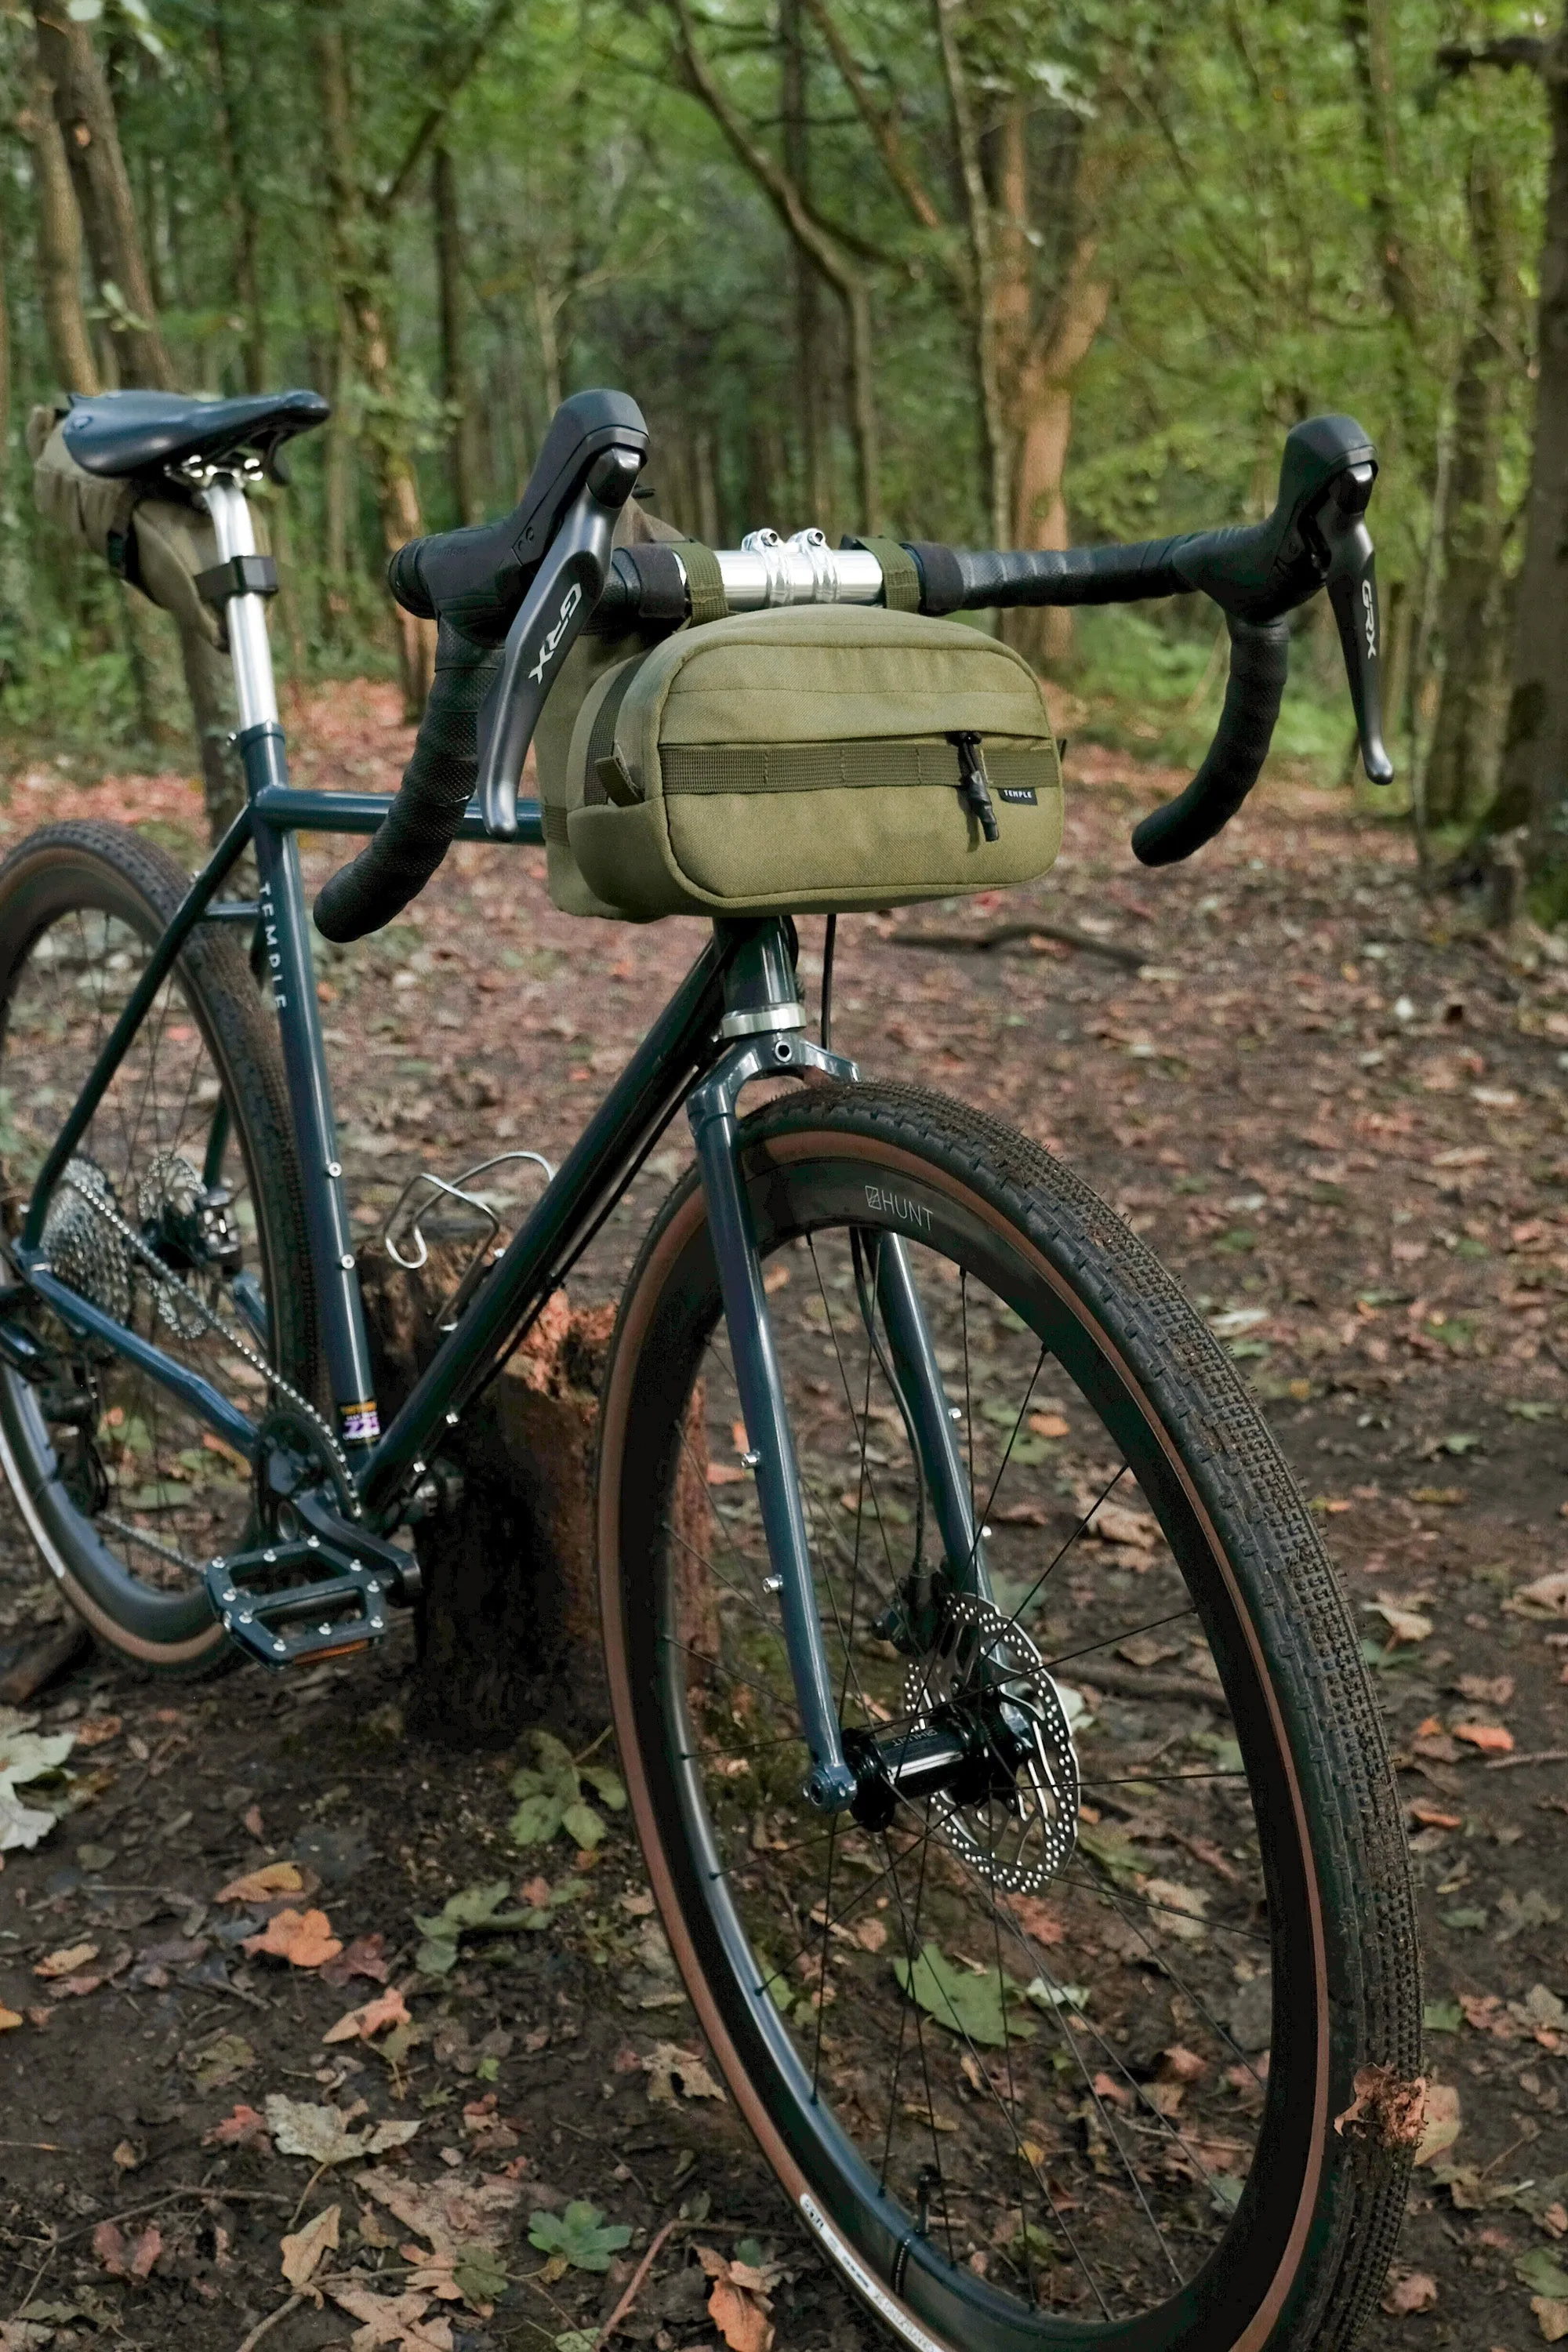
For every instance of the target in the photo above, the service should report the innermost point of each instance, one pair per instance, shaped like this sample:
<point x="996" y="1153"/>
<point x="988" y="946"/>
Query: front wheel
<point x="1034" y="2074"/>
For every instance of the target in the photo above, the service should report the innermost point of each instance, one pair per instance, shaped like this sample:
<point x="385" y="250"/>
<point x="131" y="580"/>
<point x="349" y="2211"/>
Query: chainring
<point x="1019" y="1840"/>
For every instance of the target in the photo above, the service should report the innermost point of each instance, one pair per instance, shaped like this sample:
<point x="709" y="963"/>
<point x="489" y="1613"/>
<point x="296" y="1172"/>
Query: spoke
<point x="1048" y="1572"/>
<point x="1103" y="1887"/>
<point x="1125" y="1633"/>
<point x="959" y="2027"/>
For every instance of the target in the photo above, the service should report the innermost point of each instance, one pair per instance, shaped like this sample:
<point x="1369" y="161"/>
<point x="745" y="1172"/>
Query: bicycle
<point x="902" y="1431"/>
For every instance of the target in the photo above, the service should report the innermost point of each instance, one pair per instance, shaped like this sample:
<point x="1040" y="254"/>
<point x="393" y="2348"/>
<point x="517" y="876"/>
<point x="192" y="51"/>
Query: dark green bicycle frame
<point x="682" y="1043"/>
<point x="684" y="1047"/>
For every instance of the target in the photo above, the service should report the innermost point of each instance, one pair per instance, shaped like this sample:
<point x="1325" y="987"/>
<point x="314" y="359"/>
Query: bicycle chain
<point x="166" y="1276"/>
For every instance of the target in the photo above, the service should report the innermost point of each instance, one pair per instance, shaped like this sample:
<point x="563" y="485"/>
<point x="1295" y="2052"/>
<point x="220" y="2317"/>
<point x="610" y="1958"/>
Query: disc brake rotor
<point x="984" y="1667"/>
<point x="171" y="1196"/>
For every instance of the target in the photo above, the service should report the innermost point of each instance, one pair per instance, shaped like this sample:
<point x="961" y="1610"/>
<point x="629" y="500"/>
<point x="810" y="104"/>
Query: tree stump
<point x="508" y="1621"/>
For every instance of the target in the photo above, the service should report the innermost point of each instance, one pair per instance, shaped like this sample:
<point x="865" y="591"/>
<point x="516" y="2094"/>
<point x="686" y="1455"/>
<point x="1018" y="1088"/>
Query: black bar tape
<point x="417" y="830"/>
<point x="661" y="582"/>
<point x="941" y="582"/>
<point x="1260" y="661"/>
<point x="1070" y="575"/>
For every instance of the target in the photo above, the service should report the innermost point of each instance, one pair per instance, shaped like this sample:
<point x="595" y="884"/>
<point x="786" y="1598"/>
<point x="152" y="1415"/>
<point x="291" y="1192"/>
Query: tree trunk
<point x="1533" y="787"/>
<point x="823" y="248"/>
<point x="360" y="265"/>
<point x="456" y="388"/>
<point x="509" y="1633"/>
<point x="1038" y="364"/>
<point x="85" y="111"/>
<point x="811" y="373"/>
<point x="983" y="318"/>
<point x="237" y="155"/>
<point x="58" y="245"/>
<point x="1458" y="778"/>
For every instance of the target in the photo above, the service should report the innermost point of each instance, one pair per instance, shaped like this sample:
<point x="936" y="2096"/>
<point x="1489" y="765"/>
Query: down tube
<point x="286" y="945"/>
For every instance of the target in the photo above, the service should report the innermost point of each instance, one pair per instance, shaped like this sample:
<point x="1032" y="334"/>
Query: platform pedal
<point x="285" y="1625"/>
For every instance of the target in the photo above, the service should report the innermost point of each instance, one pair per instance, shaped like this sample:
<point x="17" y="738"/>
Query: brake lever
<point x="563" y="592"/>
<point x="1351" y="583"/>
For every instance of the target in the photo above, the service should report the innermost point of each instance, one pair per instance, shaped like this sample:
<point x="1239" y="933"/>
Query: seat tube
<point x="289" y="971"/>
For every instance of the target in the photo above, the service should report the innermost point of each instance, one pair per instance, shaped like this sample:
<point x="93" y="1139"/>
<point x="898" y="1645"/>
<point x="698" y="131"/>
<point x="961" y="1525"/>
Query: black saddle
<point x="124" y="433"/>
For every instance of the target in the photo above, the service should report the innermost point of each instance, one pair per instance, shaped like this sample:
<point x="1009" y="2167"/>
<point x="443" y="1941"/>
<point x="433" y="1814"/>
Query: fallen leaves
<point x="1439" y="2123"/>
<point x="739" y="2302"/>
<point x="302" y="2253"/>
<point x="1404" y="1622"/>
<point x="391" y="2319"/>
<point x="361" y="2023"/>
<point x="968" y="2001"/>
<point x="322" y="2134"/>
<point x="365" y="1957"/>
<point x="1388" y="2108"/>
<point x="1547" y="1596"/>
<point x="1491" y="1739"/>
<point x="1409" y="2292"/>
<point x="245" y="2128"/>
<point x="1541" y="2272"/>
<point x="127" y="2258"/>
<point x="304" y="1939"/>
<point x="668" y="2068"/>
<point x="68" y="1961"/>
<point x="219" y="2061"/>
<point x="9" y="2020"/>
<point x="274" y="1878"/>
<point x="25" y="1758"/>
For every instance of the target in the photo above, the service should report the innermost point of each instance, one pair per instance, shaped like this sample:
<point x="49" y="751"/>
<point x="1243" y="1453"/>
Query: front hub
<point x="985" y="1754"/>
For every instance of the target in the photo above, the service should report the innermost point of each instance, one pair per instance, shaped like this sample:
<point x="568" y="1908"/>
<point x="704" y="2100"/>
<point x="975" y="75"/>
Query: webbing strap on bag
<point x="704" y="581"/>
<point x="900" y="573"/>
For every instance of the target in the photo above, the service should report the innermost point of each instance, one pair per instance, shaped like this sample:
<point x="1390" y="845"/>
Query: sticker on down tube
<point x="856" y="2272"/>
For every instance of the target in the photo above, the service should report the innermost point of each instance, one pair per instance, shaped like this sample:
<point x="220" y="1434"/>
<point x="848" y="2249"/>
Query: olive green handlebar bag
<point x="804" y="760"/>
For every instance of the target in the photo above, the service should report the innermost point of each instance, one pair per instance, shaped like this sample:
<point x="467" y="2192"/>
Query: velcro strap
<point x="704" y="581"/>
<point x="661" y="582"/>
<point x="941" y="582"/>
<point x="242" y="575"/>
<point x="901" y="574"/>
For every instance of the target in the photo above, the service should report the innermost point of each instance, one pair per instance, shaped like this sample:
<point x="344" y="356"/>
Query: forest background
<point x="991" y="271"/>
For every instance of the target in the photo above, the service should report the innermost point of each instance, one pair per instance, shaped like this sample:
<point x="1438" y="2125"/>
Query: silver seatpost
<point x="249" y="650"/>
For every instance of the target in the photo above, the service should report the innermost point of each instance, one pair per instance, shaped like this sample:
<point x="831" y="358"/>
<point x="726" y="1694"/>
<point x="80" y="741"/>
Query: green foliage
<point x="579" y="2235"/>
<point x="477" y="1910"/>
<point x="1244" y="194"/>
<point x="977" y="2006"/>
<point x="552" y="1799"/>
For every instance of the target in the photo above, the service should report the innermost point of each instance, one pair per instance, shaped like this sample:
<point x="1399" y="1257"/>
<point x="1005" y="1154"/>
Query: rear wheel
<point x="179" y="1212"/>
<point x="1053" y="2061"/>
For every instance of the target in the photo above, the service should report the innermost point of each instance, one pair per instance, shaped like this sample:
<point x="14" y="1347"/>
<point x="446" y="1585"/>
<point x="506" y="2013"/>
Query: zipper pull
<point x="975" y="784"/>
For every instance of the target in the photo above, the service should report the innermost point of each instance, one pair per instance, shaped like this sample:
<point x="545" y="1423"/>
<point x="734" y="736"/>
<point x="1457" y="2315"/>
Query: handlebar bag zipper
<point x="819" y="758"/>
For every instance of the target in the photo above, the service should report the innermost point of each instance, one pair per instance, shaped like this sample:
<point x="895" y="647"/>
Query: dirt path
<point x="1339" y="1121"/>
